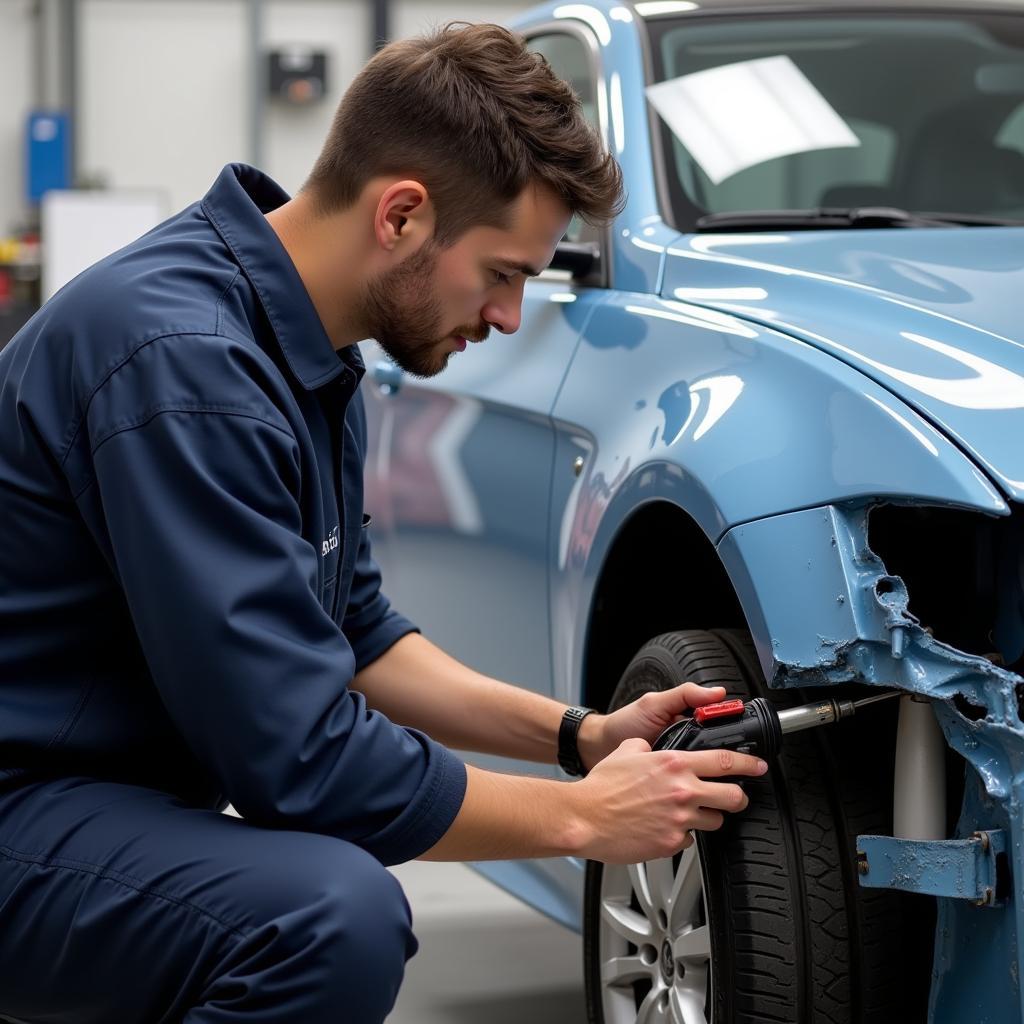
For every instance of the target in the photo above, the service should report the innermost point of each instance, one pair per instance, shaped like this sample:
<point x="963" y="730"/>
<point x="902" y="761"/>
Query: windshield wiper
<point x="842" y="217"/>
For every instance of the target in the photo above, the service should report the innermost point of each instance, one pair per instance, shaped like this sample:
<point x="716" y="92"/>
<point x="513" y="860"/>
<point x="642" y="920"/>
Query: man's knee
<point x="335" y="915"/>
<point x="360" y="909"/>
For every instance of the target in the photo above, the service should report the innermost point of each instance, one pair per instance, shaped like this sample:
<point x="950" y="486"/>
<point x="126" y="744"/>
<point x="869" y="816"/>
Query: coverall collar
<point x="235" y="206"/>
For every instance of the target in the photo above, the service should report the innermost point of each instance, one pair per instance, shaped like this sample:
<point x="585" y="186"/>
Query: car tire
<point x="762" y="920"/>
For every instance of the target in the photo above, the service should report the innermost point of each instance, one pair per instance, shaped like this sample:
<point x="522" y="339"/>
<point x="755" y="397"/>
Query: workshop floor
<point x="483" y="955"/>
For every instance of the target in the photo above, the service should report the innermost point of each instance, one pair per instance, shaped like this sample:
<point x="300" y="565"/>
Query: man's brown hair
<point x="475" y="116"/>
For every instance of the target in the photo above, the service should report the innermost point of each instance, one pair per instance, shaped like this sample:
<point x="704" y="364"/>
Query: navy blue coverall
<point x="186" y="591"/>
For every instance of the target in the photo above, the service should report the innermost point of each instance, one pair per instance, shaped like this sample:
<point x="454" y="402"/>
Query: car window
<point x="770" y="184"/>
<point x="920" y="112"/>
<point x="569" y="59"/>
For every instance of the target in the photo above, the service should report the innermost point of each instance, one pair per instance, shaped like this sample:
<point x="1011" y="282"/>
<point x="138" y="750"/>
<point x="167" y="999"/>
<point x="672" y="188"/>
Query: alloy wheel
<point x="655" y="942"/>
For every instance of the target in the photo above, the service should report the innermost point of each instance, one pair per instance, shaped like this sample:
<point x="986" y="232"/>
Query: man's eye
<point x="500" y="278"/>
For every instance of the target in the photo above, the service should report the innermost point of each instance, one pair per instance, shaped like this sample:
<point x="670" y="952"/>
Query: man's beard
<point x="404" y="314"/>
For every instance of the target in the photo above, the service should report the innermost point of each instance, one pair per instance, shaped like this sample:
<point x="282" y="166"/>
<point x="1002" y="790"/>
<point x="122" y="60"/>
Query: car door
<point x="459" y="473"/>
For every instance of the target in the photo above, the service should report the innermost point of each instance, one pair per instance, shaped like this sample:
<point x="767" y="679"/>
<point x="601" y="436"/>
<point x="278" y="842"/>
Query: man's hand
<point x="639" y="804"/>
<point x="636" y="805"/>
<point x="646" y="718"/>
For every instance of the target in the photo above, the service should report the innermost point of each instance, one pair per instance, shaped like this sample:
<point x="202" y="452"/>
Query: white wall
<point x="17" y="95"/>
<point x="162" y="92"/>
<point x="164" y="84"/>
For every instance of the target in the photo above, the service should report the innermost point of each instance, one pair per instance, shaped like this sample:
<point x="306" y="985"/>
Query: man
<point x="189" y="610"/>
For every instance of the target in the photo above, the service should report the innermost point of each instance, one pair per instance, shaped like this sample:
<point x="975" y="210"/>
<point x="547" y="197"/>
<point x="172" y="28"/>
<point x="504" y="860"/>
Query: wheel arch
<point x="660" y="573"/>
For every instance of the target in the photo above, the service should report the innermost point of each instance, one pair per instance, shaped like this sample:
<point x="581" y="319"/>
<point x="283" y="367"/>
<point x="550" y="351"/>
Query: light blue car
<point x="766" y="430"/>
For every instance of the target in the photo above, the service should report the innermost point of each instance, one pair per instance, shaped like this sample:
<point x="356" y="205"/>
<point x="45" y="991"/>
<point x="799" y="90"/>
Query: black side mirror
<point x="579" y="258"/>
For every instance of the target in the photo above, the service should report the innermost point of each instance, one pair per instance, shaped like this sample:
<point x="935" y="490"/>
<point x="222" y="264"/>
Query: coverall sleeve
<point x="205" y="534"/>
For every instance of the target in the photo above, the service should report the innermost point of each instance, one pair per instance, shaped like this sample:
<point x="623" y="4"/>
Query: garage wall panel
<point x="163" y="92"/>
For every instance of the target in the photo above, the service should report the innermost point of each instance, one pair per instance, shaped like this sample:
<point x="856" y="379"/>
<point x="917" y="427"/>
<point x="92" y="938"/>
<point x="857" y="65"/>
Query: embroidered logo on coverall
<point x="331" y="543"/>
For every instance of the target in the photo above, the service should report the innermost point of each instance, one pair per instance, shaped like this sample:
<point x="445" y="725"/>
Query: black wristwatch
<point x="568" y="751"/>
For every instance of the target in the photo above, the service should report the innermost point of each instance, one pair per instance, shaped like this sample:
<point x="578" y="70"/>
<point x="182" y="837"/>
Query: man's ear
<point x="404" y="218"/>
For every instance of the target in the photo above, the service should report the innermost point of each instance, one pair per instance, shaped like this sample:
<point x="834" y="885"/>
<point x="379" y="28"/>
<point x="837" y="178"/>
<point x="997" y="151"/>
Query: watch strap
<point x="568" y="732"/>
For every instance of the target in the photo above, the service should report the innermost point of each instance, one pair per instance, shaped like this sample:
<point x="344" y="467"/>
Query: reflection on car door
<point x="460" y="479"/>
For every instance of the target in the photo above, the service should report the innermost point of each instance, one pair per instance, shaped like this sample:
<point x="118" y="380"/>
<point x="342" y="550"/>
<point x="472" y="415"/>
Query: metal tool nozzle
<point x="877" y="698"/>
<point x="823" y="712"/>
<point x="807" y="716"/>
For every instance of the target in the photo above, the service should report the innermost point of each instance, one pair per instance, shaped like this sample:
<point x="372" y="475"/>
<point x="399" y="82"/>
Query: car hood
<point x="936" y="316"/>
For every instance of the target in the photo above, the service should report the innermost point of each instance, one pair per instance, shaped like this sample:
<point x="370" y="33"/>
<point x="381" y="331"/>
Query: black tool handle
<point x="755" y="731"/>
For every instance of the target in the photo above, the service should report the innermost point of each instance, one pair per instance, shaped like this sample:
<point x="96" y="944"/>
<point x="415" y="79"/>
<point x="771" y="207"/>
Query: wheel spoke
<point x="693" y="945"/>
<point x="624" y="970"/>
<point x="627" y="922"/>
<point x="662" y="882"/>
<point x="686" y="1007"/>
<point x="652" y="1009"/>
<point x="697" y="978"/>
<point x="638" y="878"/>
<point x="687" y="890"/>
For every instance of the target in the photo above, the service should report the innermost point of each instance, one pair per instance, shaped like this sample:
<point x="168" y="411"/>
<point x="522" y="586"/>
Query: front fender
<point x="759" y="423"/>
<point x="732" y="422"/>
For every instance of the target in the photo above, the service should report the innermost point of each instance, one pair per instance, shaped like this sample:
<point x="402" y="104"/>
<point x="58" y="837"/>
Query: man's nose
<point x="506" y="314"/>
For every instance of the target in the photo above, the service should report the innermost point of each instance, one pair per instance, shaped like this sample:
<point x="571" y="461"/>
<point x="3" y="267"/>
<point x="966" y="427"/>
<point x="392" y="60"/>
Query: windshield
<point x="919" y="112"/>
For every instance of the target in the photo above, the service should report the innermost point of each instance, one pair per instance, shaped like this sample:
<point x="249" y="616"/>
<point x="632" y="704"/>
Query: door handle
<point x="387" y="376"/>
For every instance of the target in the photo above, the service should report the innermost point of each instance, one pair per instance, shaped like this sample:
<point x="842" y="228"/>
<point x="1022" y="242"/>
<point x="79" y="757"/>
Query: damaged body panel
<point x="864" y="632"/>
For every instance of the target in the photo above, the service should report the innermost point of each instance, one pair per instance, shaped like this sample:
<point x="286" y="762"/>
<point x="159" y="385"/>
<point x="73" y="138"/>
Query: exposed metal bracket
<point x="964" y="869"/>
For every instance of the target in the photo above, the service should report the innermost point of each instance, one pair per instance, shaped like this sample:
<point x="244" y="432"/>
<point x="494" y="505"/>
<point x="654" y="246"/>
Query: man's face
<point x="428" y="306"/>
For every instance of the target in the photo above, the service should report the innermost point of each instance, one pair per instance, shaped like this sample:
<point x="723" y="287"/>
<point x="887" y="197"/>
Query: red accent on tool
<point x="723" y="709"/>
